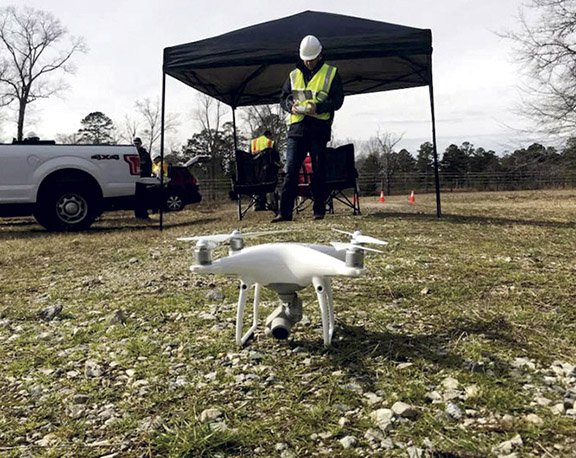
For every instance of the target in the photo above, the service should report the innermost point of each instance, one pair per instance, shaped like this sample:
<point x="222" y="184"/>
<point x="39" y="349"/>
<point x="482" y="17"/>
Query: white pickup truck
<point x="66" y="187"/>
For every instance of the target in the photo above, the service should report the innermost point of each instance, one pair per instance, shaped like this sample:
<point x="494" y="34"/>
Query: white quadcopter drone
<point x="285" y="268"/>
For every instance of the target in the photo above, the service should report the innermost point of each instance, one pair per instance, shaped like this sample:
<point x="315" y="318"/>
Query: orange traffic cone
<point x="412" y="199"/>
<point x="381" y="199"/>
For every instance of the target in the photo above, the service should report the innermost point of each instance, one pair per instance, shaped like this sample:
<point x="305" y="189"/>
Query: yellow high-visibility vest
<point x="260" y="144"/>
<point x="318" y="86"/>
<point x="156" y="168"/>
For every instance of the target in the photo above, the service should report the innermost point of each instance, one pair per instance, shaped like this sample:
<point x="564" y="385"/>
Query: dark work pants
<point x="295" y="153"/>
<point x="141" y="201"/>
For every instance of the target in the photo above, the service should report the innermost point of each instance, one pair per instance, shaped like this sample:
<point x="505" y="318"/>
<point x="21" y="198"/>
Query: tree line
<point x="466" y="167"/>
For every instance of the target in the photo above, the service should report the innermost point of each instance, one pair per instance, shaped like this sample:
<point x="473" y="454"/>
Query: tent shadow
<point x="153" y="226"/>
<point x="30" y="229"/>
<point x="476" y="219"/>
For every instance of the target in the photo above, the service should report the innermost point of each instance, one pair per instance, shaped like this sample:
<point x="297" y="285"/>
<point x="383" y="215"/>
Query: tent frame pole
<point x="234" y="128"/>
<point x="434" y="150"/>
<point x="162" y="111"/>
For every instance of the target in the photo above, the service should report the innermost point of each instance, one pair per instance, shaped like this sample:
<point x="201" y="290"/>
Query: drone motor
<point x="203" y="253"/>
<point x="236" y="242"/>
<point x="355" y="257"/>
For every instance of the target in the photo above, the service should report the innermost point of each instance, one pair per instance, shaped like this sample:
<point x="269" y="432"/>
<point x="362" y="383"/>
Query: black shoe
<point x="318" y="217"/>
<point x="280" y="218"/>
<point x="144" y="217"/>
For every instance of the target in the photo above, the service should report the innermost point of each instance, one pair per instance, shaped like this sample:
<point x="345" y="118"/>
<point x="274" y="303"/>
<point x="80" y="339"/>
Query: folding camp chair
<point x="256" y="176"/>
<point x="304" y="195"/>
<point x="341" y="175"/>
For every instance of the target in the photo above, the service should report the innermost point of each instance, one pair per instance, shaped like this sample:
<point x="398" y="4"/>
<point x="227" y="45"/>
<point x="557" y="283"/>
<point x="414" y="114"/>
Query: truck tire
<point x="70" y="207"/>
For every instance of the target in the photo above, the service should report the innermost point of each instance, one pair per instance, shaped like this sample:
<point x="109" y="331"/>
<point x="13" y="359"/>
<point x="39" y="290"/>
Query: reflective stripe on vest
<point x="319" y="86"/>
<point x="260" y="144"/>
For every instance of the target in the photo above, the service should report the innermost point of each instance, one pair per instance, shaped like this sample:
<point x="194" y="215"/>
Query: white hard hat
<point x="31" y="134"/>
<point x="310" y="48"/>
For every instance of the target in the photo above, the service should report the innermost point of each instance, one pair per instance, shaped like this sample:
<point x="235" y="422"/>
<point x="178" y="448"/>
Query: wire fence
<point x="218" y="189"/>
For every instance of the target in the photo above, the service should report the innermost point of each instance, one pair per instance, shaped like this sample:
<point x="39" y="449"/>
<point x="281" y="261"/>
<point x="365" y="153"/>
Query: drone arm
<point x="244" y="287"/>
<point x="324" y="293"/>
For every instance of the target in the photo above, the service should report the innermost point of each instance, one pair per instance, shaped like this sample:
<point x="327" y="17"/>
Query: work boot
<point x="279" y="219"/>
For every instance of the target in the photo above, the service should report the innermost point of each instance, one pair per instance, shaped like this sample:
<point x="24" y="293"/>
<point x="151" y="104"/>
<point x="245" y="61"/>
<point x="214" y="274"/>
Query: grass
<point x="460" y="297"/>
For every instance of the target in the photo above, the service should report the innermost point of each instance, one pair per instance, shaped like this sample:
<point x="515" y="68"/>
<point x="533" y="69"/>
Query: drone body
<point x="284" y="268"/>
<point x="280" y="263"/>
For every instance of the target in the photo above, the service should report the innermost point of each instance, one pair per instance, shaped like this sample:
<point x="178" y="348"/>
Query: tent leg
<point x="234" y="128"/>
<point x="161" y="209"/>
<point x="435" y="151"/>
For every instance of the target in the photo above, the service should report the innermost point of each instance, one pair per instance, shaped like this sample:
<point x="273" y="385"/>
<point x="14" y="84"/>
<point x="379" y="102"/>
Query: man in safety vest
<point x="311" y="94"/>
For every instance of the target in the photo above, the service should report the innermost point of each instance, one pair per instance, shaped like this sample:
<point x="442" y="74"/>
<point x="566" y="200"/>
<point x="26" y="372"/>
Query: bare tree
<point x="128" y="129"/>
<point x="267" y="117"/>
<point x="147" y="123"/>
<point x="209" y="113"/>
<point x="151" y="114"/>
<point x="545" y="46"/>
<point x="34" y="46"/>
<point x="385" y="143"/>
<point x="68" y="139"/>
<point x="5" y="99"/>
<point x="209" y="116"/>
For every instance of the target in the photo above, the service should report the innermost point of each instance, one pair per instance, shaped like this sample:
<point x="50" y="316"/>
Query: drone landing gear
<point x="323" y="288"/>
<point x="241" y="339"/>
<point x="287" y="314"/>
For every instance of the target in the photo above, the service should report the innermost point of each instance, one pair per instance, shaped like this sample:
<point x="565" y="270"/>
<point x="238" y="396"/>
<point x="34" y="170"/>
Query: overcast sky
<point x="475" y="80"/>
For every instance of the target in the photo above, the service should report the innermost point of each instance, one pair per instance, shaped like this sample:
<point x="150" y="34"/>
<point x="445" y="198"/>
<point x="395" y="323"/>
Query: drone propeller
<point x="357" y="237"/>
<point x="221" y="238"/>
<point x="345" y="246"/>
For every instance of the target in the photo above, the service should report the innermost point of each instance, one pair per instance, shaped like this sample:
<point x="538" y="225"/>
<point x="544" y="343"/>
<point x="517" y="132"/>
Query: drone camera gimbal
<point x="286" y="315"/>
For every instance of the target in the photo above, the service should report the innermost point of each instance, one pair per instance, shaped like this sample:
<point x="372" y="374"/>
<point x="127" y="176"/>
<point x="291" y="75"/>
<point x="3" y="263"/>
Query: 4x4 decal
<point x="103" y="157"/>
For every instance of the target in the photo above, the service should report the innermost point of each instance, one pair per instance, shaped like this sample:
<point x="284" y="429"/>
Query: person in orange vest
<point x="311" y="94"/>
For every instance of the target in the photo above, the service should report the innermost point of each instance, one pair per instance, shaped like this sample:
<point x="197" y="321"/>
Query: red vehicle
<point x="182" y="189"/>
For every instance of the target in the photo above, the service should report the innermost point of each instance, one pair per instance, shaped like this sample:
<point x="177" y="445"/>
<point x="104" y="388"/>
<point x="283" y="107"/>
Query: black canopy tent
<point x="248" y="66"/>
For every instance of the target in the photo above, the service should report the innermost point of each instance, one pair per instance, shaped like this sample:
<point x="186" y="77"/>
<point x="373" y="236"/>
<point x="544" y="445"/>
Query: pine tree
<point x="97" y="128"/>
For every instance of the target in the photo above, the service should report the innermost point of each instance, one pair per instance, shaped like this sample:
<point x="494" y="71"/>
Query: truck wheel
<point x="174" y="203"/>
<point x="70" y="208"/>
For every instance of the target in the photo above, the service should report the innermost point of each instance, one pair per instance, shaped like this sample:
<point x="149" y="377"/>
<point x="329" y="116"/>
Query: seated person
<point x="257" y="146"/>
<point x="156" y="166"/>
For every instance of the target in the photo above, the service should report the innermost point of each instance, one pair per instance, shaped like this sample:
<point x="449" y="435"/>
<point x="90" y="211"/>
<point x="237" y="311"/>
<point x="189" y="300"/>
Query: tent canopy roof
<point x="248" y="66"/>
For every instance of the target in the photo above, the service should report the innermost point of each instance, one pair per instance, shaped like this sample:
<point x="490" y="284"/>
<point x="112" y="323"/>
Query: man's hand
<point x="310" y="108"/>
